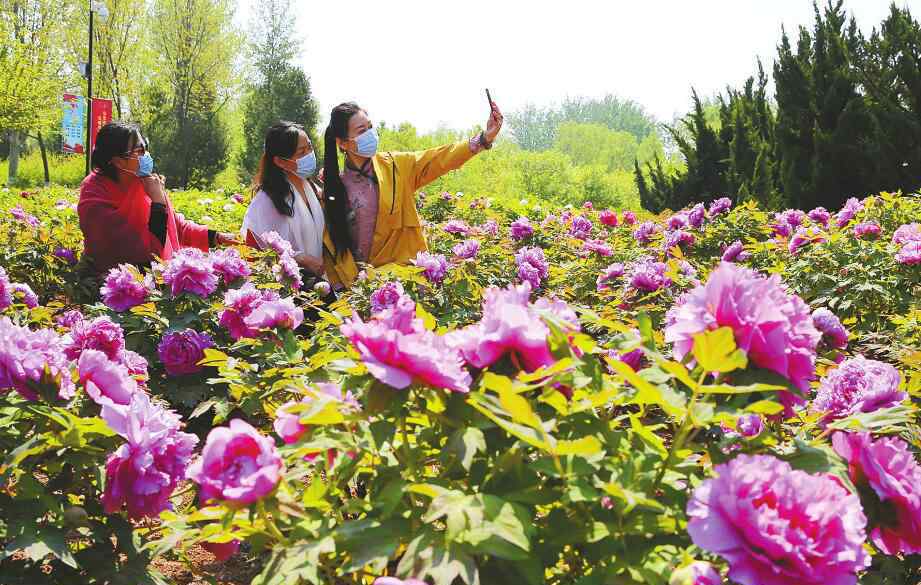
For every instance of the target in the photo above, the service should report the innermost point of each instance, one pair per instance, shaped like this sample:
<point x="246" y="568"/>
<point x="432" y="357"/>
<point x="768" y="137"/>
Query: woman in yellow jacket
<point x="371" y="204"/>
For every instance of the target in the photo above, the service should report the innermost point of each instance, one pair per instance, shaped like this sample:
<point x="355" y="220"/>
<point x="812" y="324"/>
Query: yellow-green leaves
<point x="715" y="351"/>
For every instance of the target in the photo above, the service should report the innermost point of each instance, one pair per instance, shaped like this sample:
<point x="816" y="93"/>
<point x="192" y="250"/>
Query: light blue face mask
<point x="367" y="143"/>
<point x="145" y="165"/>
<point x="306" y="165"/>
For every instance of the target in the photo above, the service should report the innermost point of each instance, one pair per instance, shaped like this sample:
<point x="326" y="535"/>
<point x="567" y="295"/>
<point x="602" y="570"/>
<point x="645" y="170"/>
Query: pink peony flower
<point x="867" y="229"/>
<point x="280" y="245"/>
<point x="887" y="468"/>
<point x="288" y="425"/>
<point x="735" y="253"/>
<point x="435" y="266"/>
<point x="395" y="581"/>
<point x="511" y="325"/>
<point x="143" y="473"/>
<point x="910" y="254"/>
<point x="180" y="351"/>
<point x="190" y="271"/>
<point x="648" y="275"/>
<point x="777" y="526"/>
<point x="26" y="354"/>
<point x="629" y="217"/>
<point x="907" y="233"/>
<point x="106" y="382"/>
<point x="581" y="227"/>
<point x="457" y="226"/>
<point x="386" y="296"/>
<point x="697" y="573"/>
<point x="609" y="274"/>
<point x="288" y="272"/>
<point x="805" y="236"/>
<point x="851" y="208"/>
<point x="749" y="425"/>
<point x="238" y="305"/>
<point x="124" y="288"/>
<point x="6" y="290"/>
<point x="598" y="247"/>
<point x="521" y="228"/>
<point x="858" y="385"/>
<point x="490" y="228"/>
<point x="772" y="326"/>
<point x="833" y="332"/>
<point x="719" y="206"/>
<point x="697" y="215"/>
<point x="238" y="465"/>
<point x="467" y="249"/>
<point x="532" y="265"/>
<point x="634" y="358"/>
<point x="608" y="218"/>
<point x="677" y="221"/>
<point x="229" y="265"/>
<point x="23" y="216"/>
<point x="820" y="216"/>
<point x="222" y="550"/>
<point x="275" y="314"/>
<point x="677" y="238"/>
<point x="29" y="298"/>
<point x="69" y="318"/>
<point x="101" y="333"/>
<point x="644" y="232"/>
<point x="397" y="350"/>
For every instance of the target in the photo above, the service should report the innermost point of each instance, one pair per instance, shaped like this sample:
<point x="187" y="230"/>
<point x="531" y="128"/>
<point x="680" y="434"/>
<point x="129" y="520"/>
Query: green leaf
<point x="585" y="446"/>
<point x="519" y="408"/>
<point x="715" y="351"/>
<point x="646" y="393"/>
<point x="728" y="389"/>
<point x="465" y="444"/>
<point x="766" y="407"/>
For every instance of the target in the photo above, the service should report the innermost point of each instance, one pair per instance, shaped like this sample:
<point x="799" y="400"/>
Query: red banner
<point x="102" y="115"/>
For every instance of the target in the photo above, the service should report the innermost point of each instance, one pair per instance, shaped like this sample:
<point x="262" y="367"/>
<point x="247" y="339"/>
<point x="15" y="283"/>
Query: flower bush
<point x="547" y="395"/>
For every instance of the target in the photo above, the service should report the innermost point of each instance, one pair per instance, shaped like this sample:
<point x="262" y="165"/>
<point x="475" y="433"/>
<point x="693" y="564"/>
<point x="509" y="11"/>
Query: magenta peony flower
<point x="511" y="325"/>
<point x="629" y="217"/>
<point x="805" y="236"/>
<point x="719" y="206"/>
<point x="634" y="358"/>
<point x="135" y="362"/>
<point x="101" y="333"/>
<point x="749" y="425"/>
<point x="24" y="356"/>
<point x="648" y="275"/>
<point x="457" y="226"/>
<point x="609" y="274"/>
<point x="386" y="296"/>
<point x="532" y="266"/>
<point x="180" y="351"/>
<point x="124" y="288"/>
<point x="397" y="350"/>
<point x="276" y="314"/>
<point x="69" y="318"/>
<point x="280" y="245"/>
<point x="888" y="468"/>
<point x="22" y="216"/>
<point x="772" y="326"/>
<point x="29" y="298"/>
<point x="581" y="227"/>
<point x="697" y="573"/>
<point x="697" y="215"/>
<point x="735" y="253"/>
<point x="238" y="305"/>
<point x="6" y="290"/>
<point x="229" y="265"/>
<point x="238" y="465"/>
<point x="222" y="550"/>
<point x="106" y="381"/>
<point x="521" y="228"/>
<point x="142" y="474"/>
<point x="435" y="266"/>
<point x="677" y="221"/>
<point x="858" y="385"/>
<point x="588" y="205"/>
<point x="467" y="249"/>
<point x="820" y="216"/>
<point x="288" y="425"/>
<point x="608" y="218"/>
<point x="679" y="238"/>
<point x="910" y="254"/>
<point x="782" y="229"/>
<point x="644" y="232"/>
<point x="792" y="217"/>
<point x="288" y="272"/>
<point x="237" y="198"/>
<point x="490" y="228"/>
<point x="395" y="581"/>
<point x="833" y="332"/>
<point x="851" y="208"/>
<point x="907" y="233"/>
<point x="777" y="526"/>
<point x="867" y="229"/>
<point x="190" y="271"/>
<point x="598" y="247"/>
<point x="66" y="254"/>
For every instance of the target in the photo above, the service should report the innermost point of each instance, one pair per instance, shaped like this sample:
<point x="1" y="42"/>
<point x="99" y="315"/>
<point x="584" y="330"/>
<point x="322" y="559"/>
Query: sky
<point x="427" y="62"/>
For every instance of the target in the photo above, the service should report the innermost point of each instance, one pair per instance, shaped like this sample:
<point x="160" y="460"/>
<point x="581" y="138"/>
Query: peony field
<point x="570" y="395"/>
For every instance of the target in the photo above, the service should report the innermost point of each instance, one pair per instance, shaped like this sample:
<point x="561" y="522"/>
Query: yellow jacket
<point x="398" y="233"/>
<point x="341" y="272"/>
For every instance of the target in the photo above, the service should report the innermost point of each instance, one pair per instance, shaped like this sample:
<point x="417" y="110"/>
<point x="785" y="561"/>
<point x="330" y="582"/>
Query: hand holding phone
<point x="495" y="120"/>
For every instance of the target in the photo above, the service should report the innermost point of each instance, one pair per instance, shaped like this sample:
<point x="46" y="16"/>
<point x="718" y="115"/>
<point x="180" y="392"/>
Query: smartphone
<point x="488" y="97"/>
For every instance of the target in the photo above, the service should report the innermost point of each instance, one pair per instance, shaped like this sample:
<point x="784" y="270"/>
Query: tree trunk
<point x="41" y="146"/>
<point x="13" y="161"/>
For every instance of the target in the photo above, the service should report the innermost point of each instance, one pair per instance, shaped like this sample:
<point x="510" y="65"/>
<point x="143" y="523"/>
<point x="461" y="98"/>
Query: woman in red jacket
<point x="125" y="214"/>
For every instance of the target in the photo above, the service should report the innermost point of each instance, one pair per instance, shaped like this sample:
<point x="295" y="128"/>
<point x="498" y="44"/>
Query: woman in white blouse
<point x="287" y="199"/>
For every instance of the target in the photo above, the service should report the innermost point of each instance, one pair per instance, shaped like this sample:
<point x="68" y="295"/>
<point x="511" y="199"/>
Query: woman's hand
<point x="494" y="124"/>
<point x="154" y="186"/>
<point x="312" y="263"/>
<point x="225" y="239"/>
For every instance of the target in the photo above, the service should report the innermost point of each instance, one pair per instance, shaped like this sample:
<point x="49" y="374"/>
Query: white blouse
<point x="303" y="230"/>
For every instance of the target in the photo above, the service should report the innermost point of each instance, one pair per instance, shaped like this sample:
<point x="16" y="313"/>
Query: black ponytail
<point x="337" y="204"/>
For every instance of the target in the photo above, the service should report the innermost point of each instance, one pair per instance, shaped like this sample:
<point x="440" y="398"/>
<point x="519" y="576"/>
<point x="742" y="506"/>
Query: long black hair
<point x="280" y="140"/>
<point x="337" y="204"/>
<point x="114" y="139"/>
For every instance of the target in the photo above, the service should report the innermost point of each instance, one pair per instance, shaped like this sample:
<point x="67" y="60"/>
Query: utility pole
<point x="89" y="96"/>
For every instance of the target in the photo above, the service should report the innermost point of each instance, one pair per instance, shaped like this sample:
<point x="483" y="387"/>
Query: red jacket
<point x="114" y="221"/>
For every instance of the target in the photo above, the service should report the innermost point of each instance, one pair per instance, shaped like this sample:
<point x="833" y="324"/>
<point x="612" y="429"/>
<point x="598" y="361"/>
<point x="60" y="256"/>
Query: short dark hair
<point x="114" y="139"/>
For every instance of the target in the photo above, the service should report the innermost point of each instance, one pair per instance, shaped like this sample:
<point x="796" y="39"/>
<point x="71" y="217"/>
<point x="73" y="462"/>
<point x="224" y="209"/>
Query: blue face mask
<point x="367" y="143"/>
<point x="145" y="165"/>
<point x="306" y="165"/>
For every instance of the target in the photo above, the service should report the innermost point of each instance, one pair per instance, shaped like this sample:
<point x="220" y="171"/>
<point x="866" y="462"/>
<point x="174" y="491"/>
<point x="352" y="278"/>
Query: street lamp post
<point x="89" y="95"/>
